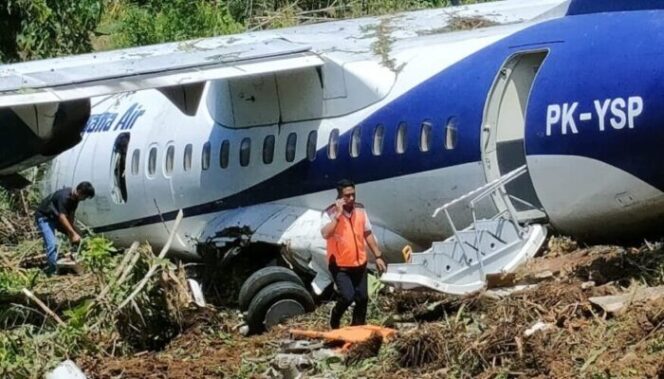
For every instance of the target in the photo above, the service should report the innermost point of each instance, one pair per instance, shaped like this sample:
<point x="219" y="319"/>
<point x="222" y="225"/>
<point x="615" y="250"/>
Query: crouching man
<point x="57" y="211"/>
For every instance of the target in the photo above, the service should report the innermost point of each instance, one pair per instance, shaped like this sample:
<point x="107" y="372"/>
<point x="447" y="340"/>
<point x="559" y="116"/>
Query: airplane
<point x="552" y="113"/>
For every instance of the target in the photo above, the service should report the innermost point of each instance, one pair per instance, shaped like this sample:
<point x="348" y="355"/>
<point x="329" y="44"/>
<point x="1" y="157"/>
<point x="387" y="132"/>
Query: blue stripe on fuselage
<point x="459" y="91"/>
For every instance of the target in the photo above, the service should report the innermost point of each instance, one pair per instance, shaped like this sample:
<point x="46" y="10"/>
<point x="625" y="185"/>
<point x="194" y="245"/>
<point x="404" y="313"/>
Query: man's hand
<point x="339" y="206"/>
<point x="380" y="265"/>
<point x="75" y="238"/>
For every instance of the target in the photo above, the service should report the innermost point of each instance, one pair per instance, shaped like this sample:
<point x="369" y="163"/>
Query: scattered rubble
<point x="573" y="312"/>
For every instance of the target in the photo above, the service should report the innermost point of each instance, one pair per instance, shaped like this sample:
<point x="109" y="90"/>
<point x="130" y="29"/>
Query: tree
<point x="33" y="29"/>
<point x="145" y="22"/>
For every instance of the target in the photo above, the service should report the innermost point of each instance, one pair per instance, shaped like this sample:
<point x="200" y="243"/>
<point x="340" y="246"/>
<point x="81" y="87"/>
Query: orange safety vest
<point x="347" y="244"/>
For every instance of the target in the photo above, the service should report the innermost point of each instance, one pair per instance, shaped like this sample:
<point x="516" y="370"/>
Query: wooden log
<point x="43" y="306"/>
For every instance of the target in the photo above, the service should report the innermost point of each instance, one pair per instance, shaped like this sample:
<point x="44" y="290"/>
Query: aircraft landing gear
<point x="271" y="295"/>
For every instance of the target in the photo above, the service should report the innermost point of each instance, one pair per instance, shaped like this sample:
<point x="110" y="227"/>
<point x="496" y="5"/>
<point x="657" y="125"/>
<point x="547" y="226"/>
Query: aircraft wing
<point x="90" y="75"/>
<point x="45" y="104"/>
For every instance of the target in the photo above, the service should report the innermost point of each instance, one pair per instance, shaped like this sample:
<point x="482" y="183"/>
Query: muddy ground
<point x="439" y="336"/>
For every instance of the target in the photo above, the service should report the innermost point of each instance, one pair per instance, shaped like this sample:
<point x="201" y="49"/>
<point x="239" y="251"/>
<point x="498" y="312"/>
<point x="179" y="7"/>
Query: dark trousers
<point x="351" y="287"/>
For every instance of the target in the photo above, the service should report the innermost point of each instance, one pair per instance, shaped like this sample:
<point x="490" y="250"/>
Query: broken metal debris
<point x="618" y="303"/>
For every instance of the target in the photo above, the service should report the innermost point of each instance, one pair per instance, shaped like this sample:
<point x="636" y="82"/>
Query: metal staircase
<point x="459" y="264"/>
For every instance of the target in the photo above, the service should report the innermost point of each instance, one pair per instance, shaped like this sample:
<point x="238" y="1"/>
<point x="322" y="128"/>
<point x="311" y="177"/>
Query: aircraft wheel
<point x="276" y="303"/>
<point x="262" y="278"/>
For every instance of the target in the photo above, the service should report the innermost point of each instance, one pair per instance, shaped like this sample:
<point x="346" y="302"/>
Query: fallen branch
<point x="9" y="225"/>
<point x="118" y="271"/>
<point x="43" y="306"/>
<point x="129" y="268"/>
<point x="153" y="268"/>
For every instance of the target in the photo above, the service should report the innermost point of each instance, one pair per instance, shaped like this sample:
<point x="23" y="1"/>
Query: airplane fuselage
<point x="578" y="99"/>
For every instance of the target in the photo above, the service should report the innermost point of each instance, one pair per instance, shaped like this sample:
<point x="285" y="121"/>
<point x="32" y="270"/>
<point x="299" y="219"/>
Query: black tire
<point x="272" y="294"/>
<point x="263" y="278"/>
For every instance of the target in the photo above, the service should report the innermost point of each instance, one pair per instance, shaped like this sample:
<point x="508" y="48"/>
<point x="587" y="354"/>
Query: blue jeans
<point x="47" y="229"/>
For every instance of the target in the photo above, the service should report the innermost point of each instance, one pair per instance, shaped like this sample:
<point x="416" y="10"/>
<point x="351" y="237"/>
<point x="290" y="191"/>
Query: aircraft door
<point x="503" y="131"/>
<point x="118" y="168"/>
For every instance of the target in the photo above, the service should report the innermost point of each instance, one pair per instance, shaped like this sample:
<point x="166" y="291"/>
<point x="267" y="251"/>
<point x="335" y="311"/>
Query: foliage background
<point x="33" y="29"/>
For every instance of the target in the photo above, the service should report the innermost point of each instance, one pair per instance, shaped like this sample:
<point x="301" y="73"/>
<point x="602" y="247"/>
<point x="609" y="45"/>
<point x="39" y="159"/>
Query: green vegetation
<point x="34" y="29"/>
<point x="91" y="320"/>
<point x="149" y="22"/>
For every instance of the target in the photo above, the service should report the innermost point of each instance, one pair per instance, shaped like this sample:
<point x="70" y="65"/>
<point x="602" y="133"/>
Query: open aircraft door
<point x="503" y="131"/>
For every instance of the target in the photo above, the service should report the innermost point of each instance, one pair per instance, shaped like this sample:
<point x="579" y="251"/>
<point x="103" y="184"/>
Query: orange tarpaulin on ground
<point x="348" y="335"/>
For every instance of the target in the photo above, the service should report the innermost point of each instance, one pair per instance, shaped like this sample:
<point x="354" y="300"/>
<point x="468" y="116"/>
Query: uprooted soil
<point x="484" y="335"/>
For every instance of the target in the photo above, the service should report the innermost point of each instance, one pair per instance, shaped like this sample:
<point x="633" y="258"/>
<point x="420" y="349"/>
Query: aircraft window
<point x="205" y="156"/>
<point x="291" y="146"/>
<point x="224" y="151"/>
<point x="425" y="136"/>
<point x="333" y="144"/>
<point x="188" y="152"/>
<point x="402" y="140"/>
<point x="152" y="162"/>
<point x="268" y="149"/>
<point x="245" y="151"/>
<point x="311" y="145"/>
<point x="451" y="137"/>
<point x="355" y="142"/>
<point x="170" y="159"/>
<point x="379" y="138"/>
<point x="119" y="164"/>
<point x="135" y="161"/>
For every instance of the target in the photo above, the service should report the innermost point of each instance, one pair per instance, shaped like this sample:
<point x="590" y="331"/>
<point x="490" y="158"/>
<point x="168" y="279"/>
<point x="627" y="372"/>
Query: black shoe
<point x="335" y="322"/>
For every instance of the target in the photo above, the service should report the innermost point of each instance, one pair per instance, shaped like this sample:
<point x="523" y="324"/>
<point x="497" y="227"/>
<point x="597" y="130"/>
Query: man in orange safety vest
<point x="347" y="229"/>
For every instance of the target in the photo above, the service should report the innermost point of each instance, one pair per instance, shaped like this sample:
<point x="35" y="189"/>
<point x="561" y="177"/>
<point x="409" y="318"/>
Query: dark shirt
<point x="59" y="202"/>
